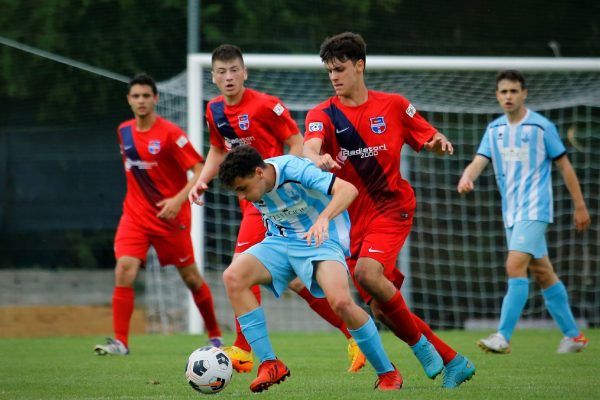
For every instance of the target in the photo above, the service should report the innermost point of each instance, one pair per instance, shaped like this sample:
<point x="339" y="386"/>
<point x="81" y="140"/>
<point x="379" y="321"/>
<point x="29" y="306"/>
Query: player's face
<point x="229" y="76"/>
<point x="511" y="96"/>
<point x="251" y="188"/>
<point x="345" y="76"/>
<point x="142" y="100"/>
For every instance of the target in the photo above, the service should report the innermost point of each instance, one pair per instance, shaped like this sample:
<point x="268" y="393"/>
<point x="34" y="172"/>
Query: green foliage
<point x="66" y="368"/>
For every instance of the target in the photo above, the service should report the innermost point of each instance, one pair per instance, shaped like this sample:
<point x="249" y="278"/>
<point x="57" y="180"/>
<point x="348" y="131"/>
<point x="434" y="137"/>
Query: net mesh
<point x="454" y="259"/>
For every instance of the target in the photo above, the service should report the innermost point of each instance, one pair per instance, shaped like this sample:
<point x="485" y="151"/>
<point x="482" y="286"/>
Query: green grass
<point x="65" y="368"/>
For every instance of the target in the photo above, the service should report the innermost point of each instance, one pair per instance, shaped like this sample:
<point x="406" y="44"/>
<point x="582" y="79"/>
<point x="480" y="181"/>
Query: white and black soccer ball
<point x="208" y="370"/>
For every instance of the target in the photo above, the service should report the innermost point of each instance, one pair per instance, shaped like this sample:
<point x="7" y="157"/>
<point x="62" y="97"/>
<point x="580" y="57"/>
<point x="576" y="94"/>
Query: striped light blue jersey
<point x="301" y="193"/>
<point x="522" y="156"/>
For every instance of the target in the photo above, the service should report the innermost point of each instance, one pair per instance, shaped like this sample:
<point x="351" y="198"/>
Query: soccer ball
<point x="208" y="370"/>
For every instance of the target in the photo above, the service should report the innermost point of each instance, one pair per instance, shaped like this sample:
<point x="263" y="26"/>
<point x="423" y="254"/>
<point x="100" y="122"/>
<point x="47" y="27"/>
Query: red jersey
<point x="156" y="164"/>
<point x="366" y="141"/>
<point x="258" y="120"/>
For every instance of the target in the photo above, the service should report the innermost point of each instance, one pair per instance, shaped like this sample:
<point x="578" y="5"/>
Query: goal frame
<point x="195" y="103"/>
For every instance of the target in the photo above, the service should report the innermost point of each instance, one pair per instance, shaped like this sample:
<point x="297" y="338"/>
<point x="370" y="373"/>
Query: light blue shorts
<point x="528" y="237"/>
<point x="287" y="258"/>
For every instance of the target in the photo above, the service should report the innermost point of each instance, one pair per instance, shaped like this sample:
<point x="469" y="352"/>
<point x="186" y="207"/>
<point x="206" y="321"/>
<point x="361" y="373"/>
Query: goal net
<point x="454" y="259"/>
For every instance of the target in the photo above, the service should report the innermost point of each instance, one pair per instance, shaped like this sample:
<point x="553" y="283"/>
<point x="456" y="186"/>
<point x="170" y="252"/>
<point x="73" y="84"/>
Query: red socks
<point x="204" y="302"/>
<point x="400" y="318"/>
<point x="122" y="309"/>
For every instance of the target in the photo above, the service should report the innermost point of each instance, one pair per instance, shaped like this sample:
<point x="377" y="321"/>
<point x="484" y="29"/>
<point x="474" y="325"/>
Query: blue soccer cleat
<point x="430" y="359"/>
<point x="457" y="371"/>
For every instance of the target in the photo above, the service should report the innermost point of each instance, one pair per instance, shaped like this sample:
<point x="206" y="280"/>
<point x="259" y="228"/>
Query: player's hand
<point x="319" y="232"/>
<point x="582" y="219"/>
<point x="169" y="208"/>
<point x="326" y="163"/>
<point x="465" y="185"/>
<point x="439" y="144"/>
<point x="195" y="195"/>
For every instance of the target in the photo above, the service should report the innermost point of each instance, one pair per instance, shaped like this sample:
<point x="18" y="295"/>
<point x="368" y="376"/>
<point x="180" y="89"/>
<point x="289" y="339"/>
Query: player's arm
<point x="471" y="173"/>
<point x="172" y="206"/>
<point x="582" y="217"/>
<point x="343" y="194"/>
<point x="439" y="144"/>
<point x="312" y="151"/>
<point x="294" y="144"/>
<point x="215" y="157"/>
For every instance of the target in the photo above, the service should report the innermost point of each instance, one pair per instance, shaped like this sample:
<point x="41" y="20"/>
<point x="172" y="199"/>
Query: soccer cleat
<point x="572" y="344"/>
<point x="430" y="359"/>
<point x="113" y="347"/>
<point x="457" y="371"/>
<point x="355" y="356"/>
<point x="215" y="341"/>
<point x="389" y="380"/>
<point x="270" y="372"/>
<point x="495" y="343"/>
<point x="240" y="359"/>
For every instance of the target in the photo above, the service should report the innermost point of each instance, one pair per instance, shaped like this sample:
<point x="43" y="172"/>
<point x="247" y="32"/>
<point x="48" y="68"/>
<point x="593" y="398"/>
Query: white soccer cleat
<point x="495" y="343"/>
<point x="113" y="347"/>
<point x="572" y="344"/>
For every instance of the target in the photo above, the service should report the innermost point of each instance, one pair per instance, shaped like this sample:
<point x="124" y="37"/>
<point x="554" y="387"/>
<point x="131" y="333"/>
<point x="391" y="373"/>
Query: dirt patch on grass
<point x="29" y="321"/>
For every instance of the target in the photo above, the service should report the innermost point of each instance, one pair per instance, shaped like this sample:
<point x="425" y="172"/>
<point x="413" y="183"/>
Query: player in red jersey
<point x="359" y="134"/>
<point x="241" y="115"/>
<point x="157" y="155"/>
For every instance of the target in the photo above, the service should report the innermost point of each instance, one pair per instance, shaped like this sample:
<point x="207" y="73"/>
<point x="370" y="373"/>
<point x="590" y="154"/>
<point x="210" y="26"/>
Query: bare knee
<point x="543" y="273"/>
<point x="233" y="281"/>
<point x="191" y="277"/>
<point x="341" y="305"/>
<point x="126" y="271"/>
<point x="366" y="277"/>
<point x="296" y="285"/>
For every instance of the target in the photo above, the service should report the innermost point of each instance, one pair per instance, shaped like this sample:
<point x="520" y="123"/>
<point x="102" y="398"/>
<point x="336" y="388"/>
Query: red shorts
<point x="133" y="240"/>
<point x="381" y="239"/>
<point x="252" y="229"/>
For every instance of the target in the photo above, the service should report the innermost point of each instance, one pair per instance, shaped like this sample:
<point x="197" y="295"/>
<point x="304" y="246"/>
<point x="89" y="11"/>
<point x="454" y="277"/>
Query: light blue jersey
<point x="522" y="156"/>
<point x="301" y="193"/>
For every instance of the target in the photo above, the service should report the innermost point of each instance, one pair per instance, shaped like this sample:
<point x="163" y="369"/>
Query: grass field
<point x="66" y="368"/>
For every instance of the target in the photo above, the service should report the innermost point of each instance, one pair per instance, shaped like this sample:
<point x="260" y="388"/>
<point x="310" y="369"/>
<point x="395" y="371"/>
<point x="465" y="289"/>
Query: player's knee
<point x="341" y="305"/>
<point x="296" y="285"/>
<point x="125" y="272"/>
<point x="232" y="280"/>
<point x="366" y="277"/>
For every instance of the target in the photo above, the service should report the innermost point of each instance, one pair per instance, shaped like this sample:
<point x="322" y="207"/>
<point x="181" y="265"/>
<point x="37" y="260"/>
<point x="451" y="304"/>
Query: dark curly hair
<point x="240" y="162"/>
<point x="344" y="46"/>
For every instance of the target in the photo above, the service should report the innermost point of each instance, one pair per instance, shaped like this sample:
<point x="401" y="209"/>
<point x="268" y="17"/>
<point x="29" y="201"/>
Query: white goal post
<point x="454" y="262"/>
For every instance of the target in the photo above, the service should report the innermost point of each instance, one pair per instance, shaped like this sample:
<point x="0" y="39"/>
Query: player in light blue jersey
<point x="522" y="145"/>
<point x="304" y="210"/>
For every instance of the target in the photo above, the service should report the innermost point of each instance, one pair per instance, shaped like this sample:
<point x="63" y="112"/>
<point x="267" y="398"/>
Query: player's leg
<point x="323" y="309"/>
<point x="265" y="263"/>
<point x="251" y="232"/>
<point x="177" y="250"/>
<point x="517" y="263"/>
<point x="556" y="299"/>
<point x="203" y="299"/>
<point x="374" y="273"/>
<point x="333" y="280"/>
<point x="130" y="246"/>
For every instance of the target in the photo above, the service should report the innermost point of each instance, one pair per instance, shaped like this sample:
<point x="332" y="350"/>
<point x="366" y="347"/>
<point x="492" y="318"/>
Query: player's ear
<point x="360" y="65"/>
<point x="245" y="73"/>
<point x="212" y="76"/>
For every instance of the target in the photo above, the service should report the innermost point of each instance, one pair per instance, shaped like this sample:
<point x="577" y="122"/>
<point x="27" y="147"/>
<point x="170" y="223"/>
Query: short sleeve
<point x="484" y="147"/>
<point x="554" y="145"/>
